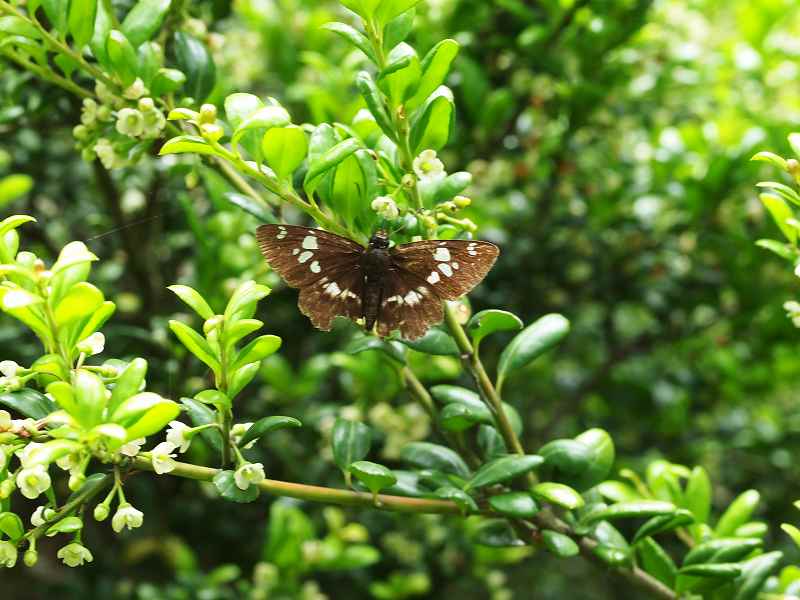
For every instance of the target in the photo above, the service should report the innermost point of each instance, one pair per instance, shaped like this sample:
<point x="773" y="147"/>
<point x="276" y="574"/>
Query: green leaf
<point x="355" y="37"/>
<point x="376" y="477"/>
<point x="558" y="494"/>
<point x="79" y="303"/>
<point x="263" y="119"/>
<point x="655" y="560"/>
<point x="716" y="571"/>
<point x="51" y="451"/>
<point x="102" y="27"/>
<point x="28" y="403"/>
<point x="13" y="25"/>
<point x="369" y="342"/>
<point x="350" y="442"/>
<point x="363" y="8"/>
<point x="373" y="97"/>
<point x="535" y="340"/>
<point x="200" y="414"/>
<point x="783" y="190"/>
<point x="792" y="532"/>
<point x="144" y="20"/>
<point x="193" y="300"/>
<point x="257" y="350"/>
<point x="634" y="510"/>
<point x="263" y="426"/>
<point x="781" y="249"/>
<point x="97" y="319"/>
<point x="285" y="149"/>
<point x="90" y="397"/>
<point x="435" y="342"/>
<point x="184" y="144"/>
<point x="697" y="496"/>
<point x="738" y="513"/>
<point x="167" y="81"/>
<point x="496" y="533"/>
<point x="391" y="9"/>
<point x="194" y="60"/>
<point x="432" y="129"/>
<point x="447" y="189"/>
<point x="240" y="106"/>
<point x="559" y="544"/>
<point x="226" y="486"/>
<point x="602" y="454"/>
<point x="663" y="523"/>
<point x="722" y="550"/>
<point x="491" y="321"/>
<point x="240" y="329"/>
<point x="242" y="377"/>
<point x="502" y="469"/>
<point x="242" y="304"/>
<point x="81" y="20"/>
<point x="65" y="525"/>
<point x="129" y="382"/>
<point x="773" y="159"/>
<point x="13" y="222"/>
<point x="14" y="186"/>
<point x="260" y="211"/>
<point x="195" y="343"/>
<point x="755" y="572"/>
<point x="398" y="29"/>
<point x="433" y="456"/>
<point x="781" y="213"/>
<point x="519" y="505"/>
<point x="435" y="68"/>
<point x="57" y="12"/>
<point x="320" y="165"/>
<point x="400" y="77"/>
<point x="11" y="525"/>
<point x="458" y="417"/>
<point x="122" y="56"/>
<point x="612" y="547"/>
<point x="154" y="420"/>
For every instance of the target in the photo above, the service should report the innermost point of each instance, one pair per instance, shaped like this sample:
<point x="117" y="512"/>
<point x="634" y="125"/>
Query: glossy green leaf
<point x="144" y="20"/>
<point x="28" y="403"/>
<point x="435" y="68"/>
<point x="655" y="561"/>
<point x="194" y="60"/>
<point x="167" y="81"/>
<point x="558" y="494"/>
<point x="284" y="149"/>
<point x="755" y="572"/>
<point x="464" y="501"/>
<point x="793" y="532"/>
<point x="90" y="397"/>
<point x="559" y="544"/>
<point x="129" y="383"/>
<point x="97" y="319"/>
<point x="366" y="343"/>
<point x="435" y="342"/>
<point x="391" y="9"/>
<point x="154" y="420"/>
<point x="662" y="523"/>
<point x="193" y="300"/>
<point x="738" y="512"/>
<point x="496" y="533"/>
<point x="372" y="96"/>
<point x="376" y="477"/>
<point x="519" y="505"/>
<point x="400" y="78"/>
<point x="433" y="456"/>
<point x="241" y="377"/>
<point x="82" y="300"/>
<point x="352" y="35"/>
<point x="57" y="12"/>
<point x="532" y="342"/>
<point x="350" y="442"/>
<point x="503" y="469"/>
<point x="240" y="106"/>
<point x="263" y="426"/>
<point x="11" y="525"/>
<point x="14" y="25"/>
<point x="728" y="549"/>
<point x="66" y="525"/>
<point x="242" y="304"/>
<point x="226" y="486"/>
<point x="697" y="496"/>
<point x="458" y="417"/>
<point x="122" y="56"/>
<point x="331" y="158"/>
<point x="634" y="510"/>
<point x="434" y="126"/>
<point x="200" y="414"/>
<point x="717" y="571"/>
<point x="261" y="120"/>
<point x="51" y="451"/>
<point x="186" y="144"/>
<point x="257" y="350"/>
<point x="195" y="343"/>
<point x="81" y="20"/>
<point x="491" y="321"/>
<point x="781" y="213"/>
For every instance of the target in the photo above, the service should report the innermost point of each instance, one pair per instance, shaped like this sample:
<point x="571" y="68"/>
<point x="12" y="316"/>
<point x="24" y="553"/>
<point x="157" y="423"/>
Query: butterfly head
<point x="379" y="240"/>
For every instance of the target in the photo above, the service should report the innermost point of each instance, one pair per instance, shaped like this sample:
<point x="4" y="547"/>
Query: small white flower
<point x="135" y="90"/>
<point x="133" y="447"/>
<point x="238" y="431"/>
<point x="126" y="516"/>
<point x="24" y="454"/>
<point x="130" y="122"/>
<point x="428" y="167"/>
<point x="162" y="458"/>
<point x="8" y="554"/>
<point x="89" y="112"/>
<point x="37" y="518"/>
<point x="32" y="481"/>
<point x="385" y="207"/>
<point x="108" y="155"/>
<point x="249" y="474"/>
<point x="93" y="344"/>
<point x="68" y="462"/>
<point x="75" y="554"/>
<point x="177" y="436"/>
<point x="8" y="368"/>
<point x="154" y="123"/>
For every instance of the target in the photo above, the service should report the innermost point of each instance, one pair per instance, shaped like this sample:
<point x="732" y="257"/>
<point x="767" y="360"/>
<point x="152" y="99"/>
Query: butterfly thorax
<point x="376" y="263"/>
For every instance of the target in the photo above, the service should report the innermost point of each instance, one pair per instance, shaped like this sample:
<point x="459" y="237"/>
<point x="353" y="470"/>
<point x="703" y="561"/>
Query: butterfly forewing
<point x="302" y="255"/>
<point x="410" y="305"/>
<point x="450" y="267"/>
<point x="336" y="293"/>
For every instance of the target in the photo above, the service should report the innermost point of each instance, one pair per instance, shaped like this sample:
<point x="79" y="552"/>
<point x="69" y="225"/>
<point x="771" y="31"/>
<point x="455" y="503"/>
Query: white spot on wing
<point x="282" y="233"/>
<point x="433" y="277"/>
<point x="305" y="257"/>
<point x="445" y="268"/>
<point x="333" y="289"/>
<point x="310" y="242"/>
<point x="412" y="298"/>
<point x="315" y="268"/>
<point x="442" y="254"/>
<point x="296" y="251"/>
<point x="455" y="265"/>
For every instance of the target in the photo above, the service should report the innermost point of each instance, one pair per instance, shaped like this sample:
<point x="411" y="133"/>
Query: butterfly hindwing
<point x="336" y="293"/>
<point x="302" y="255"/>
<point x="450" y="267"/>
<point x="409" y="305"/>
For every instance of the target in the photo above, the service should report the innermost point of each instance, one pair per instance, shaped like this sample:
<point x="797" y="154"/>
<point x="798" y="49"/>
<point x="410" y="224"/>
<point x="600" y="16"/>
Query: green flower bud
<point x="104" y="113"/>
<point x="208" y="113"/>
<point x="146" y="104"/>
<point x="76" y="481"/>
<point x="80" y="132"/>
<point x="212" y="131"/>
<point x="462" y="201"/>
<point x="7" y="487"/>
<point x="31" y="557"/>
<point x="212" y="323"/>
<point x="101" y="512"/>
<point x="135" y="90"/>
<point x="408" y="181"/>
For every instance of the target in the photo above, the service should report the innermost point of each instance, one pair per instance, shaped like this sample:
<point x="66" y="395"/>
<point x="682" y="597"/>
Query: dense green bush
<point x="621" y="386"/>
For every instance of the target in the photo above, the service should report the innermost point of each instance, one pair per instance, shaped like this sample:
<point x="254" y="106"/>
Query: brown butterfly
<point x="400" y="288"/>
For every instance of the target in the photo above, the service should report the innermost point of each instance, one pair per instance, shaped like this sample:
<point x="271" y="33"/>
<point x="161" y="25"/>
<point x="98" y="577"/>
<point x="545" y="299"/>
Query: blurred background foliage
<point x="609" y="143"/>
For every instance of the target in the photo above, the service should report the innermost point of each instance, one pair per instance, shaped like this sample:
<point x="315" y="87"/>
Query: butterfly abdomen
<point x="375" y="263"/>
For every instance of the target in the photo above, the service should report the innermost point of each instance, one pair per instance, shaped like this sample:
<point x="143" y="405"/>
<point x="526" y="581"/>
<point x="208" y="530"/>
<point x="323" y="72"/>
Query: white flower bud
<point x="249" y="474"/>
<point x="135" y="90"/>
<point x="126" y="516"/>
<point x="133" y="447"/>
<point x="94" y="344"/>
<point x="75" y="554"/>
